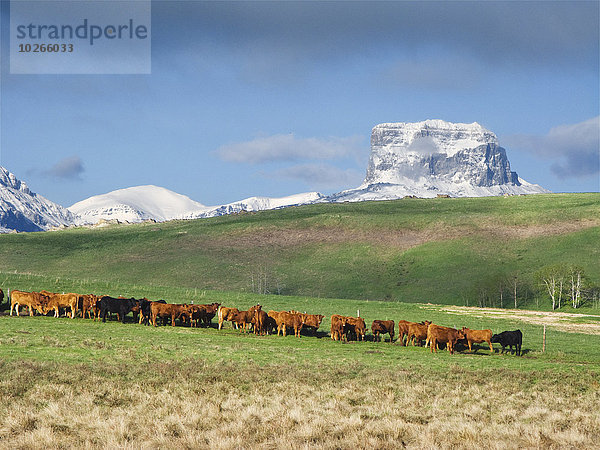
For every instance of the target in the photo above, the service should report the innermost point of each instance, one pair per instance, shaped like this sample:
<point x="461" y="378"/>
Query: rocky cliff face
<point x="434" y="148"/>
<point x="436" y="157"/>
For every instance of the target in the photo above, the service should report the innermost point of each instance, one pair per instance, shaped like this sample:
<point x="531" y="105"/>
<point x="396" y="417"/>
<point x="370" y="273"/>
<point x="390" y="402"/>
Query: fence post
<point x="544" y="340"/>
<point x="358" y="313"/>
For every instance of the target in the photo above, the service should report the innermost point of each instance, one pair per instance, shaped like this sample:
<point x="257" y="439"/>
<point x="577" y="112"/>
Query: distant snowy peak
<point x="9" y="180"/>
<point x="135" y="204"/>
<point x="434" y="157"/>
<point x="430" y="136"/>
<point x="141" y="203"/>
<point x="255" y="204"/>
<point x="23" y="210"/>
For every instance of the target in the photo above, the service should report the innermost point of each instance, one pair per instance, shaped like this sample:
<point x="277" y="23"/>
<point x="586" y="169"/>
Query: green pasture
<point x="72" y="341"/>
<point x="446" y="251"/>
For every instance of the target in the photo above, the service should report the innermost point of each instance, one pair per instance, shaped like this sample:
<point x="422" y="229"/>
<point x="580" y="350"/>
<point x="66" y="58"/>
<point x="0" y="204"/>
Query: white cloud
<point x="574" y="148"/>
<point x="287" y="147"/>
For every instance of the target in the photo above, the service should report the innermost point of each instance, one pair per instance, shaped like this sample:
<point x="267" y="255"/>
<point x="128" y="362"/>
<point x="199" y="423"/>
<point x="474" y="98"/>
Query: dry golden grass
<point x="195" y="404"/>
<point x="561" y="321"/>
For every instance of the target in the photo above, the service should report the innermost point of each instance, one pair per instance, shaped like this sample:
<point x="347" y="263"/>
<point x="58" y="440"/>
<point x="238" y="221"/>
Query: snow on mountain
<point x="135" y="204"/>
<point x="23" y="210"/>
<point x="432" y="157"/>
<point x="255" y="204"/>
<point x="141" y="203"/>
<point x="420" y="159"/>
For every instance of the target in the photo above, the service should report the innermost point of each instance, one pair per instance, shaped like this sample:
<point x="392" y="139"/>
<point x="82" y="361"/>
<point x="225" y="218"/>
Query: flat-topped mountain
<point x="433" y="157"/>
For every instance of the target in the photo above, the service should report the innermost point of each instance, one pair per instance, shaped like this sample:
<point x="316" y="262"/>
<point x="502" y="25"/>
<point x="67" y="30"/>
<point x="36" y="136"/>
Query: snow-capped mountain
<point x="255" y="204"/>
<point x="135" y="204"/>
<point x="434" y="157"/>
<point x="141" y="203"/>
<point x="23" y="210"/>
<point x="420" y="159"/>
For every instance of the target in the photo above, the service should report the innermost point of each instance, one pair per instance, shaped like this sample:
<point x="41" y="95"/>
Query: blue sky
<point x="275" y="98"/>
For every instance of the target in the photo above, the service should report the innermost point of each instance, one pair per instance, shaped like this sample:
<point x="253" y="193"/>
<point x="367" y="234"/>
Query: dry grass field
<point x="196" y="404"/>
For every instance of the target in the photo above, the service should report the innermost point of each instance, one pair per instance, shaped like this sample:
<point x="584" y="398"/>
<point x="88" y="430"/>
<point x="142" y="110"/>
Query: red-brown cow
<point x="403" y="327"/>
<point x="355" y="328"/>
<point x="312" y="321"/>
<point x="167" y="310"/>
<point x="33" y="300"/>
<point x="88" y="303"/>
<point x="260" y="322"/>
<point x="227" y="314"/>
<point x="417" y="333"/>
<point x="379" y="327"/>
<point x="478" y="336"/>
<point x="437" y="334"/>
<point x="243" y="319"/>
<point x="337" y="327"/>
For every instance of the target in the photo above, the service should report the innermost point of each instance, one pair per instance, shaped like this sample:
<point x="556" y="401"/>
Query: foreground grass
<point x="195" y="403"/>
<point x="79" y="383"/>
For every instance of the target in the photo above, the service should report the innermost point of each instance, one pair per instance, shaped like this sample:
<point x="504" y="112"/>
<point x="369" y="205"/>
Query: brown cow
<point x="403" y="326"/>
<point x="210" y="311"/>
<point x="312" y="321"/>
<point x="243" y="319"/>
<point x="379" y="327"/>
<point x="275" y="316"/>
<point x="287" y="320"/>
<point x="33" y="300"/>
<point x="270" y="325"/>
<point x="437" y="334"/>
<point x="197" y="315"/>
<point x="260" y="322"/>
<point x="184" y="313"/>
<point x="167" y="310"/>
<point x="355" y="328"/>
<point x="337" y="327"/>
<point x="417" y="333"/>
<point x="58" y="301"/>
<point x="478" y="336"/>
<point x="227" y="314"/>
<point x="89" y="306"/>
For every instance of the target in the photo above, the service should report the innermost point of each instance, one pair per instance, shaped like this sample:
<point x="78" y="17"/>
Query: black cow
<point x="508" y="339"/>
<point x="120" y="306"/>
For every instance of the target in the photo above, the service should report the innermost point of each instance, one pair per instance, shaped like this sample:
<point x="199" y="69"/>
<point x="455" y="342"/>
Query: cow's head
<point x="496" y="338"/>
<point x="40" y="303"/>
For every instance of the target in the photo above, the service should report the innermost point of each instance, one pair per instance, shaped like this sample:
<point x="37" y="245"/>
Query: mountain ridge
<point x="418" y="159"/>
<point x="24" y="210"/>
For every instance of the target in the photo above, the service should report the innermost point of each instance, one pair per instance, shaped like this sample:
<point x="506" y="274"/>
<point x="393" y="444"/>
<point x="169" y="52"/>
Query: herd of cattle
<point x="343" y="328"/>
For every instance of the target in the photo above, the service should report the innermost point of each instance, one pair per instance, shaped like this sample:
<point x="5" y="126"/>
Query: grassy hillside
<point x="452" y="251"/>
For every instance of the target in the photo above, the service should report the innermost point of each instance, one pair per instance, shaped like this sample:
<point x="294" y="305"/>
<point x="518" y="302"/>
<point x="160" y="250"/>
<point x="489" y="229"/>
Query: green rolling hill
<point x="449" y="251"/>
